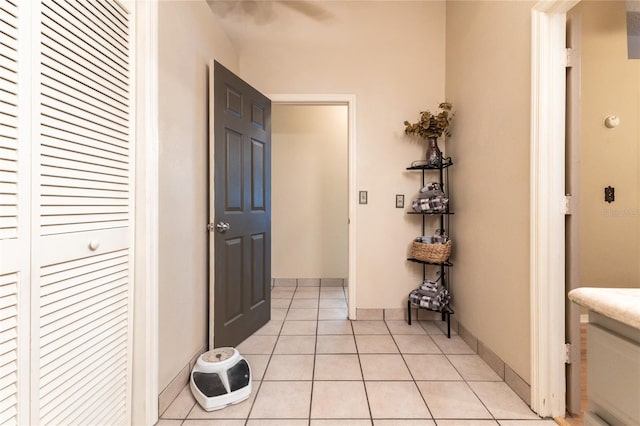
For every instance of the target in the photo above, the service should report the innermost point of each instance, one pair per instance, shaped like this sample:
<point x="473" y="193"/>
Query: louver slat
<point x="104" y="178"/>
<point x="8" y="97"/>
<point x="69" y="182"/>
<point x="8" y="108"/>
<point x="78" y="210"/>
<point x="59" y="157"/>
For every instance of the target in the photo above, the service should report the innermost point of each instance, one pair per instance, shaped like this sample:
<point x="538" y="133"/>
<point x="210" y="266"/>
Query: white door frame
<point x="547" y="264"/>
<point x="350" y="102"/>
<point x="144" y="377"/>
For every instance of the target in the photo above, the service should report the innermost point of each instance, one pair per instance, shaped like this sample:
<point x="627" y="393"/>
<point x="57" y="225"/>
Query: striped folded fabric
<point x="437" y="204"/>
<point x="430" y="295"/>
<point x="431" y="189"/>
<point x="432" y="199"/>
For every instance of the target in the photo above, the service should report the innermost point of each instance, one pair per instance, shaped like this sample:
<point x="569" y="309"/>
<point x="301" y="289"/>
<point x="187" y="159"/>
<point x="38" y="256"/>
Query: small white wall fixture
<point x="547" y="265"/>
<point x="350" y="102"/>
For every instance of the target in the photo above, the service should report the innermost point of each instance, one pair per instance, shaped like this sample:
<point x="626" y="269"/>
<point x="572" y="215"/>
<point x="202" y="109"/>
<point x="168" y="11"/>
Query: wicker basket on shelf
<point x="435" y="253"/>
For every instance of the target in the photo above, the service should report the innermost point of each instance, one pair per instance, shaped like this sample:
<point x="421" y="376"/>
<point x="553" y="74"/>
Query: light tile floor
<point x="313" y="367"/>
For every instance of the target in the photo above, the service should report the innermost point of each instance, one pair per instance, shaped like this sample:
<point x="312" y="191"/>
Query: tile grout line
<point x="415" y="383"/>
<point x="315" y="354"/>
<point x="466" y="382"/>
<point x="364" y="383"/>
<point x="246" y="422"/>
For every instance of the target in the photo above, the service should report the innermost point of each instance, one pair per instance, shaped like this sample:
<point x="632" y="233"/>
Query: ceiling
<point x="301" y="22"/>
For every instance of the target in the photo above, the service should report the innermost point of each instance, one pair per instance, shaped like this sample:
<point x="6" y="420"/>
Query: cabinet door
<point x="14" y="226"/>
<point x="82" y="224"/>
<point x="613" y="376"/>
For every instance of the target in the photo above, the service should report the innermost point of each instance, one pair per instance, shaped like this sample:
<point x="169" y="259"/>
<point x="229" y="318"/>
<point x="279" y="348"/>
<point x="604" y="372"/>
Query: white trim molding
<point x="144" y="397"/>
<point x="350" y="102"/>
<point x="547" y="265"/>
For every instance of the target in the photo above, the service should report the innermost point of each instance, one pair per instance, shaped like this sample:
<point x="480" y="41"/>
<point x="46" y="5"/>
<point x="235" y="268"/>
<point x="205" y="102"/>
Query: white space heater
<point x="221" y="377"/>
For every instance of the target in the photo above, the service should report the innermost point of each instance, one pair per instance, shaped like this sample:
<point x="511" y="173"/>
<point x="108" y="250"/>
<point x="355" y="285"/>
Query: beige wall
<point x="189" y="36"/>
<point x="309" y="184"/>
<point x="391" y="56"/>
<point x="488" y="80"/>
<point x="609" y="233"/>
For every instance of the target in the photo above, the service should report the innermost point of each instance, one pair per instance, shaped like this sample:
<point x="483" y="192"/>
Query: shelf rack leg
<point x="409" y="312"/>
<point x="447" y="316"/>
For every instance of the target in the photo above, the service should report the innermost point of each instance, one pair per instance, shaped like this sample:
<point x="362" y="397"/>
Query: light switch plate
<point x="363" y="197"/>
<point x="400" y="201"/>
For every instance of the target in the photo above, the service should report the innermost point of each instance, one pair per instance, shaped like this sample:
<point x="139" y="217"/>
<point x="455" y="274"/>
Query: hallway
<point x="313" y="367"/>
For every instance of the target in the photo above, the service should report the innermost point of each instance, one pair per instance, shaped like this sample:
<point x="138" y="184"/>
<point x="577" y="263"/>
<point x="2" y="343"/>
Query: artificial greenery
<point x="430" y="125"/>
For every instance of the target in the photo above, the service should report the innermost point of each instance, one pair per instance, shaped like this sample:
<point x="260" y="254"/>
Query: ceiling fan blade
<point x="306" y="8"/>
<point x="261" y="11"/>
<point x="222" y="7"/>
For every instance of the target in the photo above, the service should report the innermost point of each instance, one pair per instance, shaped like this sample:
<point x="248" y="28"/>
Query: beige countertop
<point x="620" y="304"/>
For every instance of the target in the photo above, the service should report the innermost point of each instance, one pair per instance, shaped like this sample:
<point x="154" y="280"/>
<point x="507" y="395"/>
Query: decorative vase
<point x="434" y="156"/>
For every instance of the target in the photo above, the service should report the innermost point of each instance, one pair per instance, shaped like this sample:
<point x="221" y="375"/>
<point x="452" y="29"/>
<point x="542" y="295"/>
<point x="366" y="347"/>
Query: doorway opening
<point x="600" y="154"/>
<point x="313" y="182"/>
<point x="548" y="174"/>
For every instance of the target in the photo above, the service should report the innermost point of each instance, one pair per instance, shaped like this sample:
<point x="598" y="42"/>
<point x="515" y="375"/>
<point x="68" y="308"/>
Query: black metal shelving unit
<point x="444" y="218"/>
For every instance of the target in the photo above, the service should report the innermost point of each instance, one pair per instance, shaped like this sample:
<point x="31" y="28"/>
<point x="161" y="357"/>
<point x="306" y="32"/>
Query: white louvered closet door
<point x="65" y="212"/>
<point x="82" y="241"/>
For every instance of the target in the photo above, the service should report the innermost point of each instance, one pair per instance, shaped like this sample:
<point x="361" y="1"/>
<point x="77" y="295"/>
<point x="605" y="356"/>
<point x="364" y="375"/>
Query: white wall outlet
<point x="400" y="201"/>
<point x="363" y="197"/>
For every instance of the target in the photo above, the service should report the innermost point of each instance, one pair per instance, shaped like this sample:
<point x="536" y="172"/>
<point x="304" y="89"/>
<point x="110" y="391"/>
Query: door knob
<point x="222" y="227"/>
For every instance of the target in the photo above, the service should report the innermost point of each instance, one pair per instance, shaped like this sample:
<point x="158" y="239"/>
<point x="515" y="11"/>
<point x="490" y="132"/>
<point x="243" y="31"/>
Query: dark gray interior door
<point x="241" y="230"/>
